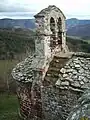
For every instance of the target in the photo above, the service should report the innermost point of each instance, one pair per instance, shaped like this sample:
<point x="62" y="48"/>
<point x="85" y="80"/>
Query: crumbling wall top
<point x="46" y="11"/>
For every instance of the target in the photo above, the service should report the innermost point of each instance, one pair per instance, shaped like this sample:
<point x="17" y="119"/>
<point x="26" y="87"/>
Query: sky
<point x="21" y="9"/>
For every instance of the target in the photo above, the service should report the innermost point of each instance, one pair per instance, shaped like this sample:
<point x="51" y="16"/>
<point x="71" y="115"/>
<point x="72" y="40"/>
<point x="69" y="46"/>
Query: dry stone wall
<point x="76" y="73"/>
<point x="28" y="81"/>
<point x="82" y="109"/>
<point x="60" y="98"/>
<point x="55" y="100"/>
<point x="48" y="44"/>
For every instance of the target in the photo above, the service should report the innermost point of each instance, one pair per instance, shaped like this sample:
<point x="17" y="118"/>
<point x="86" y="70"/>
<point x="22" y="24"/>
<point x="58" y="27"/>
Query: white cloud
<point x="69" y="7"/>
<point x="16" y="15"/>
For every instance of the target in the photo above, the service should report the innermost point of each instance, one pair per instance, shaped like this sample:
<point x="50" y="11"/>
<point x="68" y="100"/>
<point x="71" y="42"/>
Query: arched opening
<point x="53" y="34"/>
<point x="59" y="24"/>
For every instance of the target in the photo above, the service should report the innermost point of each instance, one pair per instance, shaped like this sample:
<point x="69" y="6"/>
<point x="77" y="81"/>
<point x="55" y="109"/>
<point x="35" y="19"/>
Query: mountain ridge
<point x="17" y="23"/>
<point x="74" y="26"/>
<point x="79" y="28"/>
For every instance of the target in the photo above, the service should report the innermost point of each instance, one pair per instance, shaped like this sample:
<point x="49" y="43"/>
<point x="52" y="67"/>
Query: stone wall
<point x="82" y="109"/>
<point x="53" y="101"/>
<point x="60" y="98"/>
<point x="57" y="99"/>
<point x="28" y="82"/>
<point x="45" y="34"/>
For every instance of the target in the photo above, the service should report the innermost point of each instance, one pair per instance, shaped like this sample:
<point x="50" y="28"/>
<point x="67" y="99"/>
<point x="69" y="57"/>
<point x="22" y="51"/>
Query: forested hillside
<point x="78" y="45"/>
<point x="15" y="46"/>
<point x="15" y="42"/>
<point x="19" y="42"/>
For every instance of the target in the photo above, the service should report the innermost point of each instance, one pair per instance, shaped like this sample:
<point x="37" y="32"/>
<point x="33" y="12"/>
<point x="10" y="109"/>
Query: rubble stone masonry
<point x="50" y="82"/>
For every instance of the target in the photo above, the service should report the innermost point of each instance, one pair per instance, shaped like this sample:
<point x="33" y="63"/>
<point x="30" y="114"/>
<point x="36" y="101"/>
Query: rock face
<point x="50" y="82"/>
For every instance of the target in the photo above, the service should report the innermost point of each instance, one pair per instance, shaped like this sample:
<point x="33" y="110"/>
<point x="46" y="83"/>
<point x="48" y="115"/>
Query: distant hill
<point x="75" y="27"/>
<point x="78" y="45"/>
<point x="75" y="22"/>
<point x="82" y="31"/>
<point x="80" y="28"/>
<point x="71" y="23"/>
<point x="17" y="23"/>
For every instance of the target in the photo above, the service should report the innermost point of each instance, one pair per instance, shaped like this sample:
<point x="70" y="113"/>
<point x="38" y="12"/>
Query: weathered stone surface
<point x="77" y="65"/>
<point x="58" y="82"/>
<point x="82" y="110"/>
<point x="23" y="72"/>
<point x="65" y="83"/>
<point x="75" y="84"/>
<point x="63" y="70"/>
<point x="76" y="72"/>
<point x="65" y="75"/>
<point x="52" y="98"/>
<point x="29" y="74"/>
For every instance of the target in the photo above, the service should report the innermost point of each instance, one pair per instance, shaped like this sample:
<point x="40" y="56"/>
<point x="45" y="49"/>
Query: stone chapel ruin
<point x="50" y="82"/>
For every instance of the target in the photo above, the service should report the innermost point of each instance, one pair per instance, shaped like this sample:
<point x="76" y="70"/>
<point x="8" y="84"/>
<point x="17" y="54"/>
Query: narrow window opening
<point x="59" y="24"/>
<point x="53" y="34"/>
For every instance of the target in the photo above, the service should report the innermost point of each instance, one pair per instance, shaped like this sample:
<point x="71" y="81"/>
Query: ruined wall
<point x="29" y="96"/>
<point x="44" y="31"/>
<point x="30" y="72"/>
<point x="59" y="98"/>
<point x="55" y="100"/>
<point x="82" y="109"/>
<point x="28" y="81"/>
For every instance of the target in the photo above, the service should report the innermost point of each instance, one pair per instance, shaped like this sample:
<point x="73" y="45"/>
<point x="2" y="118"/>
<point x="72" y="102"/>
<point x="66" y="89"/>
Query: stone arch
<point x="53" y="33"/>
<point x="59" y="25"/>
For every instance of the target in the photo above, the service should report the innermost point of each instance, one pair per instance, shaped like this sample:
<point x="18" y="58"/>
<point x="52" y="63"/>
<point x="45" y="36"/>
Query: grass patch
<point x="8" y="107"/>
<point x="88" y="41"/>
<point x="78" y="45"/>
<point x="6" y="66"/>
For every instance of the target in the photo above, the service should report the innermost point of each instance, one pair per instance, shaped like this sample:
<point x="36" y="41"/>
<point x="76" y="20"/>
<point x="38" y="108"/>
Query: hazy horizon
<point x="34" y="18"/>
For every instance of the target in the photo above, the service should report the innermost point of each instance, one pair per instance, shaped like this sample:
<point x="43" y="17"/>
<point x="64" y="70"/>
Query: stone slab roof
<point x="75" y="75"/>
<point x="23" y="71"/>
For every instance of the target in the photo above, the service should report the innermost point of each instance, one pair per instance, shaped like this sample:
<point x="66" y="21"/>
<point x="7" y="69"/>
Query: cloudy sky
<point x="27" y="8"/>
